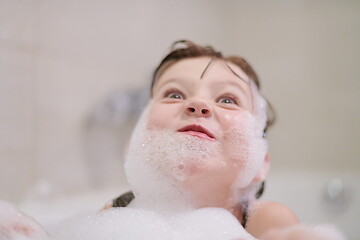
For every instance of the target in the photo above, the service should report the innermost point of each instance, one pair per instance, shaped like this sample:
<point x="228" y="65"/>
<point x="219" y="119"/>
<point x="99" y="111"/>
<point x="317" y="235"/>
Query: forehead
<point x="193" y="68"/>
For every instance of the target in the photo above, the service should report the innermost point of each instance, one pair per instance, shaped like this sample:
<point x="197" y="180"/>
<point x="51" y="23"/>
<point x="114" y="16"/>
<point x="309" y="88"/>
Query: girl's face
<point x="216" y="108"/>
<point x="215" y="102"/>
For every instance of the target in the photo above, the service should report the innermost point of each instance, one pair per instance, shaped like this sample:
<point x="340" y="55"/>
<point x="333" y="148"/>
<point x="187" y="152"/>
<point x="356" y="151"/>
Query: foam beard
<point x="178" y="155"/>
<point x="160" y="160"/>
<point x="167" y="166"/>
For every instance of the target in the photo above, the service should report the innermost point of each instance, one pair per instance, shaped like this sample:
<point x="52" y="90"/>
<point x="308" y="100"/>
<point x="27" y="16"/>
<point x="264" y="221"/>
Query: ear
<point x="263" y="171"/>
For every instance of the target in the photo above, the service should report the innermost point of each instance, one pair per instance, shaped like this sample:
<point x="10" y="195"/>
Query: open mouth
<point x="197" y="131"/>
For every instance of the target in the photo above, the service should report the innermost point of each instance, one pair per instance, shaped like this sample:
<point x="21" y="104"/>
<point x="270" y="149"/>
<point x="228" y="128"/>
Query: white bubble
<point x="136" y="224"/>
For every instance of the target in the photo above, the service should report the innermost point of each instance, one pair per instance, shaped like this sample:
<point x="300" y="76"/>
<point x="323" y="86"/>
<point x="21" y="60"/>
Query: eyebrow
<point x="232" y="83"/>
<point x="228" y="66"/>
<point x="213" y="58"/>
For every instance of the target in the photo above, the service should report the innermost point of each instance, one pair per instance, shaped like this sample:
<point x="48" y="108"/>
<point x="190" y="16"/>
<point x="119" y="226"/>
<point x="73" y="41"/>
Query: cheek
<point x="243" y="147"/>
<point x="231" y="120"/>
<point x="238" y="143"/>
<point x="160" y="114"/>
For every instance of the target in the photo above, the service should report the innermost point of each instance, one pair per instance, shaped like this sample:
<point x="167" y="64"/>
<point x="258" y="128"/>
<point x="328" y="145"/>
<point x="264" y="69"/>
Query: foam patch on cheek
<point x="246" y="148"/>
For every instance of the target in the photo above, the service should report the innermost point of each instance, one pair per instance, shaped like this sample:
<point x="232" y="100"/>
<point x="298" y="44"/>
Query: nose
<point x="198" y="109"/>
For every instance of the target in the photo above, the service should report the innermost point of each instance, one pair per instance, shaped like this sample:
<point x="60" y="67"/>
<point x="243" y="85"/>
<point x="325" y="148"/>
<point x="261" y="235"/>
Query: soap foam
<point x="177" y="154"/>
<point x="136" y="224"/>
<point x="160" y="161"/>
<point x="248" y="147"/>
<point x="150" y="182"/>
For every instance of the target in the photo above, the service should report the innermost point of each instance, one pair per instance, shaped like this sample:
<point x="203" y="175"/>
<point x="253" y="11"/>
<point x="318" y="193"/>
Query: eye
<point x="173" y="93"/>
<point x="228" y="99"/>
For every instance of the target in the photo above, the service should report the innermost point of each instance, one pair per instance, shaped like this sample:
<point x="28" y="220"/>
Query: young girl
<point x="216" y="101"/>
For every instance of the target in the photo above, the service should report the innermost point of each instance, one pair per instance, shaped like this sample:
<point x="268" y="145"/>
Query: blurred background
<point x="74" y="76"/>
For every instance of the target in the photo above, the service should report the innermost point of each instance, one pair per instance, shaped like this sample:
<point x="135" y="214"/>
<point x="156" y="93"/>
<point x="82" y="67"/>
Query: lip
<point x="197" y="131"/>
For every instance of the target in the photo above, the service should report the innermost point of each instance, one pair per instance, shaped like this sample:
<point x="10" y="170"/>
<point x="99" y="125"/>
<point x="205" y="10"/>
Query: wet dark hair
<point x="192" y="50"/>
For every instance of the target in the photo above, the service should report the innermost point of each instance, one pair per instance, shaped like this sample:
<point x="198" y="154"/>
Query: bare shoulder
<point x="266" y="215"/>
